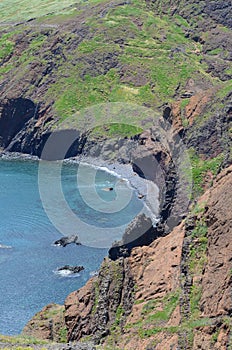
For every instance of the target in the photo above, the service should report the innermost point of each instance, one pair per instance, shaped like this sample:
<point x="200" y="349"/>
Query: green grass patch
<point x="6" y="68"/>
<point x="17" y="11"/>
<point x="89" y="46"/>
<point x="225" y="89"/>
<point x="215" y="336"/>
<point x="199" y="169"/>
<point x="153" y="321"/>
<point x="78" y="94"/>
<point x="37" y="42"/>
<point x="6" y="46"/>
<point x="198" y="247"/>
<point x="170" y="302"/>
<point x="215" y="51"/>
<point x="116" y="129"/>
<point x="63" y="335"/>
<point x="184" y="103"/>
<point x="181" y="21"/>
<point x="53" y="311"/>
<point x="24" y="340"/>
<point x="195" y="297"/>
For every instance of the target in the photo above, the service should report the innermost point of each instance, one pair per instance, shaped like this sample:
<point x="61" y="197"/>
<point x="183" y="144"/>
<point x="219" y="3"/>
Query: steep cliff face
<point x="48" y="324"/>
<point x="102" y="305"/>
<point x="179" y="287"/>
<point x="218" y="11"/>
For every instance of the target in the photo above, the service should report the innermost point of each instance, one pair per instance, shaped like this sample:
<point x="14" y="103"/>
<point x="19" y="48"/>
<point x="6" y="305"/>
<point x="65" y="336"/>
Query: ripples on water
<point x="27" y="278"/>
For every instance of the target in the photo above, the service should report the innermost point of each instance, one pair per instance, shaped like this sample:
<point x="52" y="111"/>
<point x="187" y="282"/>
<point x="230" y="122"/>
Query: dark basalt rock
<point x="73" y="269"/>
<point x="108" y="189"/>
<point x="139" y="232"/>
<point x="67" y="240"/>
<point x="14" y="115"/>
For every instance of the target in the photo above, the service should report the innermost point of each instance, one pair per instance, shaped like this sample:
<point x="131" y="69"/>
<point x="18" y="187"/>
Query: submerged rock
<point x="67" y="240"/>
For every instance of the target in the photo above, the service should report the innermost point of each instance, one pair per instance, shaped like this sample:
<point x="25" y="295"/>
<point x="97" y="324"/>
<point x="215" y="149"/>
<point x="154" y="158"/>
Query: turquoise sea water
<point x="28" y="278"/>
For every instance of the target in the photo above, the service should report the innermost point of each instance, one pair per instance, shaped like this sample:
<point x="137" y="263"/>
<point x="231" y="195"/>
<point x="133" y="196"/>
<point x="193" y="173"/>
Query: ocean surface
<point x="28" y="228"/>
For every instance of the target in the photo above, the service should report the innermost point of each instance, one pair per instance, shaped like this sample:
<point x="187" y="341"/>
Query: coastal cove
<point x="28" y="258"/>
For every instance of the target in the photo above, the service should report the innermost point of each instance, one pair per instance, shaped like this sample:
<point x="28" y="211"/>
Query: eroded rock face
<point x="47" y="324"/>
<point x="219" y="11"/>
<point x="102" y="303"/>
<point x="217" y="279"/>
<point x="155" y="271"/>
<point x="14" y="114"/>
<point x="138" y="233"/>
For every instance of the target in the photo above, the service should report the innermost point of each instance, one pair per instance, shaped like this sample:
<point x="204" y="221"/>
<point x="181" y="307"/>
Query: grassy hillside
<point x="18" y="11"/>
<point x="101" y="51"/>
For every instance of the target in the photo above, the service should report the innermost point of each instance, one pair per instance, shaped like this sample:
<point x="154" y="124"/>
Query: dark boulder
<point x="67" y="240"/>
<point x="138" y="233"/>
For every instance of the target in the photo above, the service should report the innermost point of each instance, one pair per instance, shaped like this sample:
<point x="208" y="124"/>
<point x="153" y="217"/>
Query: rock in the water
<point x="72" y="269"/>
<point x="108" y="189"/>
<point x="67" y="240"/>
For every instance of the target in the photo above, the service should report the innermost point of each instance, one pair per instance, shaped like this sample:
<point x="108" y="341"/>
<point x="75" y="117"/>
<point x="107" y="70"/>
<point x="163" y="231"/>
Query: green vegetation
<point x="96" y="297"/>
<point x="6" y="46"/>
<point x="53" y="311"/>
<point x="63" y="335"/>
<point x="116" y="129"/>
<point x="200" y="168"/>
<point x="24" y="340"/>
<point x="215" y="336"/>
<point x="114" y="269"/>
<point x="155" y="59"/>
<point x="184" y="103"/>
<point x="195" y="297"/>
<point x="225" y="89"/>
<point x="154" y="321"/>
<point x="119" y="314"/>
<point x="17" y="11"/>
<point x="215" y="51"/>
<point x="169" y="304"/>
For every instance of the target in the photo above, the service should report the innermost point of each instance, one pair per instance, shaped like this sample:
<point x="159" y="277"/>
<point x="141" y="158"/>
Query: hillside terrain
<point x="63" y="62"/>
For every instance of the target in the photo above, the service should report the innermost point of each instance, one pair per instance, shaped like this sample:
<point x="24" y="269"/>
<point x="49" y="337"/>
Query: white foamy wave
<point x="93" y="273"/>
<point x="106" y="170"/>
<point x="66" y="273"/>
<point x="2" y="246"/>
<point x="149" y="213"/>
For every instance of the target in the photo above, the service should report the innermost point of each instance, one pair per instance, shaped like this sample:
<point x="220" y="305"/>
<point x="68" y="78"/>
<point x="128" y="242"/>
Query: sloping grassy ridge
<point x="105" y="51"/>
